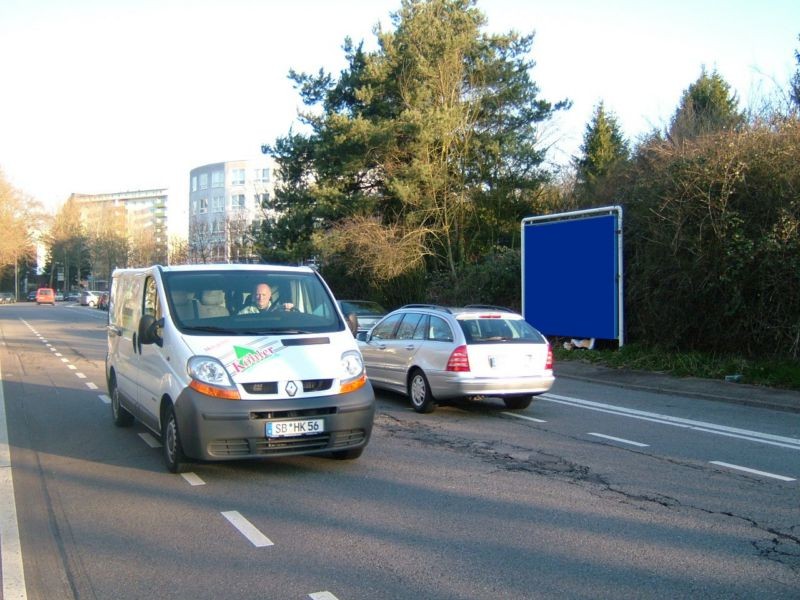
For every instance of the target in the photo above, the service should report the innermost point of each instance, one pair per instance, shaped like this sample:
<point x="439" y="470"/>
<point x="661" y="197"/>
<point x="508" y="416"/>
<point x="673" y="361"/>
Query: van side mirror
<point x="361" y="336"/>
<point x="149" y="330"/>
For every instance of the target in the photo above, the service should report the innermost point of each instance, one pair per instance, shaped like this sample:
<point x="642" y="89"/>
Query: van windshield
<point x="250" y="302"/>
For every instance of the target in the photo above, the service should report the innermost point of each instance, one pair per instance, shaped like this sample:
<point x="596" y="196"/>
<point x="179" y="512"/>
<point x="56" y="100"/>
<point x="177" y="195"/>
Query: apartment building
<point x="139" y="217"/>
<point x="227" y="201"/>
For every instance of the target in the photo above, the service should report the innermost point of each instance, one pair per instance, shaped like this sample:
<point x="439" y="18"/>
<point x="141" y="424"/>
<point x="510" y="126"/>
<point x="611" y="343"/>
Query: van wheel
<point x="420" y="392"/>
<point x="517" y="402"/>
<point x="351" y="454"/>
<point x="171" y="442"/>
<point x="122" y="418"/>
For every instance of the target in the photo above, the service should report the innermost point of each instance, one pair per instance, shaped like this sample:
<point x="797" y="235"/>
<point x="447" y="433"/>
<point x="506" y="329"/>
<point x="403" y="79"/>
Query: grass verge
<point x="778" y="373"/>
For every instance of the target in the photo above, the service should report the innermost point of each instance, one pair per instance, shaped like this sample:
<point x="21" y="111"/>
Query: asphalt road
<point x="601" y="489"/>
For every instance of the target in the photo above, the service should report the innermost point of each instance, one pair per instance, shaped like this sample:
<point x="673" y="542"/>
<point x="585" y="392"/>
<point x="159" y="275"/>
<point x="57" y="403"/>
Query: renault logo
<point x="291" y="388"/>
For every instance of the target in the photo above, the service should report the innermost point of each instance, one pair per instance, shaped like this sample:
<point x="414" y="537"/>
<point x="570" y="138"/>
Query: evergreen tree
<point x="604" y="148"/>
<point x="707" y="106"/>
<point x="434" y="135"/>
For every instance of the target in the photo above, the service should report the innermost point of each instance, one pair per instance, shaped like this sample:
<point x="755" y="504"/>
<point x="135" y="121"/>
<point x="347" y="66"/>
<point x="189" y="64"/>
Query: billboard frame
<point x="613" y="211"/>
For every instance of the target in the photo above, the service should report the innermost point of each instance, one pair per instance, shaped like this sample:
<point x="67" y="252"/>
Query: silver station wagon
<point x="432" y="353"/>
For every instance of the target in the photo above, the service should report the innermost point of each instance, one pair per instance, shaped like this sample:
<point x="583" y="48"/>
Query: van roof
<point x="220" y="267"/>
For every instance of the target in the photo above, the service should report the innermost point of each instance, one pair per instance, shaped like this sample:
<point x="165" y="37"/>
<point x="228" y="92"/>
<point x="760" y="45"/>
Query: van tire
<point x="419" y="392"/>
<point x="121" y="417"/>
<point x="174" y="458"/>
<point x="351" y="454"/>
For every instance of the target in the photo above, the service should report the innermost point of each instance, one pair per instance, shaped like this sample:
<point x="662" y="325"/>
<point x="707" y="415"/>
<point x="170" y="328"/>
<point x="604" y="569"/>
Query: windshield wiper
<point x="212" y="329"/>
<point x="274" y="331"/>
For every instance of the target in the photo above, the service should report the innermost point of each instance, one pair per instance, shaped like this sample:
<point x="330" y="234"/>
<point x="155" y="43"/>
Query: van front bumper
<point x="215" y="429"/>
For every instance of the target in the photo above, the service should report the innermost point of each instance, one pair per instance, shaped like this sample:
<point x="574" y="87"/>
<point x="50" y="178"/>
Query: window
<point x="238" y="201"/>
<point x="237" y="177"/>
<point x="262" y="175"/>
<point x="408" y="325"/>
<point x="203" y="206"/>
<point x="440" y="330"/>
<point x="194" y="183"/>
<point x="203" y="181"/>
<point x="218" y="204"/>
<point x="385" y="329"/>
<point x="218" y="179"/>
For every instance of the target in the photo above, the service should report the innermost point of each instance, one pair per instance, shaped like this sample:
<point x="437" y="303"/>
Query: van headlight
<point x="354" y="376"/>
<point x="209" y="377"/>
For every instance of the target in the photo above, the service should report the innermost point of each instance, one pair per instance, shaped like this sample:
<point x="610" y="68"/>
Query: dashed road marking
<point x="247" y="529"/>
<point x="621" y="440"/>
<point x="105" y="398"/>
<point x="753" y="471"/>
<point x="150" y="440"/>
<point x="193" y="479"/>
<point x="517" y="416"/>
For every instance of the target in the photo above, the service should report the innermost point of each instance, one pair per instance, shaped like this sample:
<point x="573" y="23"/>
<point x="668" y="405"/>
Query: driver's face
<point x="262" y="295"/>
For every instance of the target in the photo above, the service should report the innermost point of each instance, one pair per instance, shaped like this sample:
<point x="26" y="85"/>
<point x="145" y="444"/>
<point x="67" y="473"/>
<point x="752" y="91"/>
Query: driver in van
<point x="261" y="301"/>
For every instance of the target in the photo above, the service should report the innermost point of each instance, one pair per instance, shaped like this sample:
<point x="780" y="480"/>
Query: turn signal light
<point x="214" y="391"/>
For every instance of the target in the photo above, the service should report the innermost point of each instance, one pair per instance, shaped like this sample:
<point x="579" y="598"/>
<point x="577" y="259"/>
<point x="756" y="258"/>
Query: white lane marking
<point x="57" y="353"/>
<point x="65" y="360"/>
<point x="247" y="529"/>
<point x="745" y="434"/>
<point x="748" y="470"/>
<point x="91" y="385"/>
<point x="515" y="415"/>
<point x="150" y="440"/>
<point x="621" y="440"/>
<point x="72" y="367"/>
<point x="80" y="375"/>
<point x="12" y="570"/>
<point x="193" y="479"/>
<point x="322" y="596"/>
<point x="105" y="398"/>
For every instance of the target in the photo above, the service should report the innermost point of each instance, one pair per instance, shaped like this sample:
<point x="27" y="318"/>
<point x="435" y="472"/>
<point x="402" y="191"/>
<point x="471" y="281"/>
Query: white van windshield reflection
<point x="250" y="302"/>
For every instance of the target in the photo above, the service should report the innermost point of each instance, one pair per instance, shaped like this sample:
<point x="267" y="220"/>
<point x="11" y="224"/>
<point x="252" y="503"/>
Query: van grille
<point x="277" y="446"/>
<point x="271" y="387"/>
<point x="292" y="414"/>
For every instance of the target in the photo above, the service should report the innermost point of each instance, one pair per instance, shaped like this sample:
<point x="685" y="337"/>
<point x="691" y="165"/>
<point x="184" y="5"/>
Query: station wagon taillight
<point x="548" y="365"/>
<point x="459" y="360"/>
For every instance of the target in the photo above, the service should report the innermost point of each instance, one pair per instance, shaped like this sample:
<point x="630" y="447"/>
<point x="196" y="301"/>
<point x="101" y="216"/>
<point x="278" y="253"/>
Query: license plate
<point x="293" y="428"/>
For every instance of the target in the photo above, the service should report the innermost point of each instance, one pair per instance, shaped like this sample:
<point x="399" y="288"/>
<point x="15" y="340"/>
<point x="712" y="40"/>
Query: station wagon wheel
<point x="517" y="402"/>
<point x="171" y="441"/>
<point x="122" y="418"/>
<point x="420" y="392"/>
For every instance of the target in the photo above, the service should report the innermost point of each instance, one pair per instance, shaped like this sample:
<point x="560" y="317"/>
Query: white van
<point x="222" y="373"/>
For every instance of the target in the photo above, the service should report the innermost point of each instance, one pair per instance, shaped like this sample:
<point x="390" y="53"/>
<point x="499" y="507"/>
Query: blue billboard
<point x="572" y="274"/>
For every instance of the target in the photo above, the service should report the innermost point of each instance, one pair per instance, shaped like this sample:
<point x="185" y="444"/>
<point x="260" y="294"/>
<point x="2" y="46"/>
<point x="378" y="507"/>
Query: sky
<point x="101" y="96"/>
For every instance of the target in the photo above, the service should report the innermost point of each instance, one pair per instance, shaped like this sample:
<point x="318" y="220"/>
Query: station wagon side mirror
<point x="149" y="329"/>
